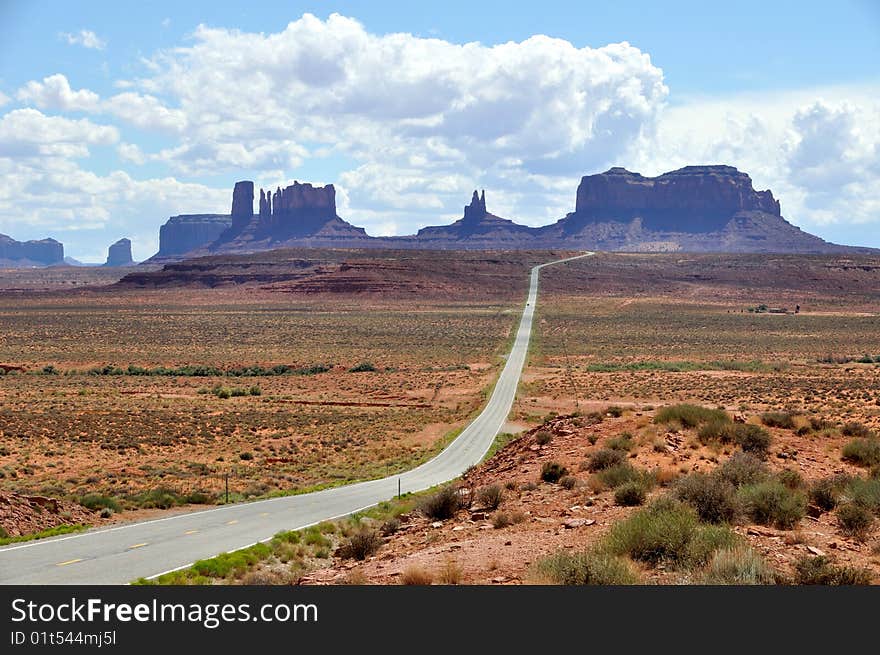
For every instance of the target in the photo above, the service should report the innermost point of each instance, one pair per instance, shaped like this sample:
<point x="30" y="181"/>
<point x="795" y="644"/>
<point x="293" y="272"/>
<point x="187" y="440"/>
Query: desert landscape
<point x="740" y="389"/>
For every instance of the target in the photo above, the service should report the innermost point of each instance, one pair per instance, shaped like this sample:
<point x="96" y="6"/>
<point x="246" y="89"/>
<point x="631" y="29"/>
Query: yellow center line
<point x="137" y="546"/>
<point x="190" y="532"/>
<point x="70" y="561"/>
<point x="232" y="522"/>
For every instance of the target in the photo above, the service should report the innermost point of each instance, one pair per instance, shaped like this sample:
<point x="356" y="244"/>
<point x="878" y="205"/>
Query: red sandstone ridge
<point x="693" y="209"/>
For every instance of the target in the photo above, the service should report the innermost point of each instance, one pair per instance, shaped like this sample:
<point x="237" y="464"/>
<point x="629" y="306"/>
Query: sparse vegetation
<point x="441" y="505"/>
<point x="592" y="567"/>
<point x="630" y="494"/>
<point x="778" y="420"/>
<point x="855" y="520"/>
<point x="605" y="458"/>
<point x="713" y="497"/>
<point x="553" y="472"/>
<point x="361" y="545"/>
<point x="416" y="575"/>
<point x="772" y="503"/>
<point x="743" y="469"/>
<point x="862" y="451"/>
<point x="668" y="531"/>
<point x="738" y="566"/>
<point x="490" y="496"/>
<point x="690" y="416"/>
<point x="822" y="571"/>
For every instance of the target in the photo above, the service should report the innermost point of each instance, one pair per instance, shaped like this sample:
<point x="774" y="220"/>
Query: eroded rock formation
<point x="119" y="253"/>
<point x="44" y="252"/>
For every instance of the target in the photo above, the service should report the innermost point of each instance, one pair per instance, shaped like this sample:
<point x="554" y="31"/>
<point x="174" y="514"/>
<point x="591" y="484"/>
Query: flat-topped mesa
<point x="693" y="198"/>
<point x="43" y="252"/>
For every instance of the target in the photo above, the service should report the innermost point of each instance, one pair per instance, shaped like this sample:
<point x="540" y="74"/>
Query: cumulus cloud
<point x="138" y="110"/>
<point x="130" y="152"/>
<point x="820" y="157"/>
<point x="54" y="92"/>
<point x="531" y="104"/>
<point x="4" y="99"/>
<point x="85" y="38"/>
<point x="30" y="133"/>
<point x="414" y="124"/>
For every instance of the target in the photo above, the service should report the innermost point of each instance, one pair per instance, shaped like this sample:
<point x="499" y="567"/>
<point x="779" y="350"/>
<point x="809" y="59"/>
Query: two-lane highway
<point x="120" y="554"/>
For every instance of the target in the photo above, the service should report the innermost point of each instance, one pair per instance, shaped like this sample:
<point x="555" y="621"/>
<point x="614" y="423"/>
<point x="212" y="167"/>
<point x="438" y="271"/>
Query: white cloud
<point x="85" y="38"/>
<point x="539" y="103"/>
<point x="130" y="152"/>
<point x="4" y="99"/>
<point x="820" y="157"/>
<point x="28" y="133"/>
<point x="138" y="110"/>
<point x="54" y="92"/>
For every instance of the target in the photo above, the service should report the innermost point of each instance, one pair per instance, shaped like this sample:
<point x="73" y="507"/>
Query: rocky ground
<point x="475" y="547"/>
<point x="21" y="515"/>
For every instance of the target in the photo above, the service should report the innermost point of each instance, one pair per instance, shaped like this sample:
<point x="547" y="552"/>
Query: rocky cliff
<point x="119" y="253"/>
<point x="695" y="209"/>
<point x="691" y="199"/>
<point x="45" y="252"/>
<point x="187" y="232"/>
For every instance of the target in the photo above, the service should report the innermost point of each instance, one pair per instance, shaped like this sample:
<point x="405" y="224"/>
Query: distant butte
<point x="693" y="209"/>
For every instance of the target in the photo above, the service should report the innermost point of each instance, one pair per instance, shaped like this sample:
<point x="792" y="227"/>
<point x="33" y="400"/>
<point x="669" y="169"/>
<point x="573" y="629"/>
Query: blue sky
<point x="115" y="115"/>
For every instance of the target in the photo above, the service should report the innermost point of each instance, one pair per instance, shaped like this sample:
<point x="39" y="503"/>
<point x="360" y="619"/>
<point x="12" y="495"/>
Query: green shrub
<point x="624" y="442"/>
<point x="857" y="430"/>
<point x="568" y="482"/>
<point x="713" y="497"/>
<point x="614" y="411"/>
<point x="690" y="416"/>
<point x="223" y="392"/>
<point x="605" y="458"/>
<point x="553" y="471"/>
<point x="593" y="567"/>
<point x="752" y="439"/>
<point x="361" y="545"/>
<point x="667" y="531"/>
<point x="791" y="479"/>
<point x="630" y="494"/>
<point x="246" y="456"/>
<point x="862" y="451"/>
<point x="707" y="540"/>
<point x="822" y="571"/>
<point x="490" y="496"/>
<point x="543" y="437"/>
<point x="618" y="475"/>
<point x="363" y="367"/>
<point x="721" y="431"/>
<point x="855" y="520"/>
<point x="742" y="469"/>
<point x="778" y="420"/>
<point x="772" y="503"/>
<point x="824" y="494"/>
<point x="864" y="492"/>
<point x="442" y="504"/>
<point x="255" y="391"/>
<point x="95" y="501"/>
<point x="738" y="566"/>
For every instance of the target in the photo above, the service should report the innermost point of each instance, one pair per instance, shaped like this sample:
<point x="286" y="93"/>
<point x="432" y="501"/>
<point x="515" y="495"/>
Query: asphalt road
<point x="123" y="553"/>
